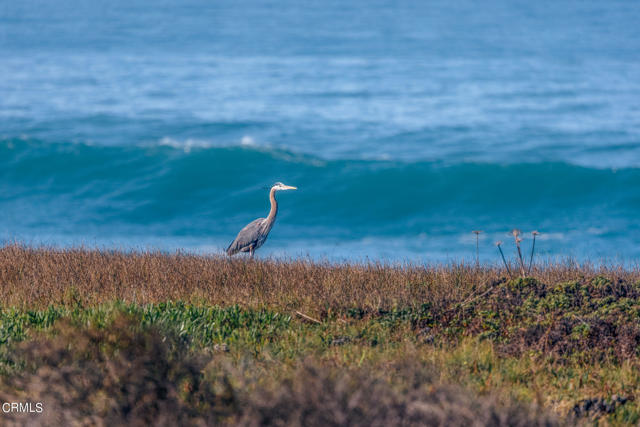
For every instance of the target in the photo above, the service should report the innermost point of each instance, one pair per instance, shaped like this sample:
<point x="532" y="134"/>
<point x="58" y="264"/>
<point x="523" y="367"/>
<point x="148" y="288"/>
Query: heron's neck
<point x="274" y="206"/>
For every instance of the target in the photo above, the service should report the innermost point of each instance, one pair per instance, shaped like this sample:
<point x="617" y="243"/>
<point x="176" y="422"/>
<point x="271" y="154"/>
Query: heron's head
<point x="280" y="186"/>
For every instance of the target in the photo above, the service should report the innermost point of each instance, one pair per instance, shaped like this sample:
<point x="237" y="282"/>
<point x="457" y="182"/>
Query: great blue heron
<point x="254" y="234"/>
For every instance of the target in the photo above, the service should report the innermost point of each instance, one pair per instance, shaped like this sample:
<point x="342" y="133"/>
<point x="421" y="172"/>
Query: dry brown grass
<point x="36" y="278"/>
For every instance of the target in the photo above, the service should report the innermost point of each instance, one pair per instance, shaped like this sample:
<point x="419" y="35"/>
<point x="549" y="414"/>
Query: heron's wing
<point x="247" y="237"/>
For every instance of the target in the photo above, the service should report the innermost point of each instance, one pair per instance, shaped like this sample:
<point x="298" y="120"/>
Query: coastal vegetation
<point x="105" y="337"/>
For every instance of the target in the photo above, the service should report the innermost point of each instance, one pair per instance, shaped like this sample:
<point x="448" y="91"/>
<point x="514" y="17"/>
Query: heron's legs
<point x="251" y="251"/>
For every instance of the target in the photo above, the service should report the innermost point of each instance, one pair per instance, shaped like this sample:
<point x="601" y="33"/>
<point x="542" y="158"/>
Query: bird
<point x="254" y="234"/>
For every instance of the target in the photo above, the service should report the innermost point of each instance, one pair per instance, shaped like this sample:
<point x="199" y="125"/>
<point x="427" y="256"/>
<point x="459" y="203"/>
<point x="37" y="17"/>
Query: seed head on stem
<point x="516" y="237"/>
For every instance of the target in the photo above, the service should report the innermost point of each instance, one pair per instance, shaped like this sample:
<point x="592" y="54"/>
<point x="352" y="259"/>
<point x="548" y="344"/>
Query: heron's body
<point x="254" y="234"/>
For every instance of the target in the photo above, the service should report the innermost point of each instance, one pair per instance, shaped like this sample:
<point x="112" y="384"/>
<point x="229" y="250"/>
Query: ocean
<point x="141" y="125"/>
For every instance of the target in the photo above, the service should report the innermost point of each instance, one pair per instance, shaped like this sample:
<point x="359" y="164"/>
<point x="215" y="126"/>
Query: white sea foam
<point x="186" y="145"/>
<point x="247" y="140"/>
<point x="551" y="236"/>
<point x="189" y="144"/>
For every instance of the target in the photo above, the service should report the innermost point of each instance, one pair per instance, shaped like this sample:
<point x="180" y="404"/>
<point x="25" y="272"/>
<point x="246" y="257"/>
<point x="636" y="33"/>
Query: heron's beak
<point x="289" y="187"/>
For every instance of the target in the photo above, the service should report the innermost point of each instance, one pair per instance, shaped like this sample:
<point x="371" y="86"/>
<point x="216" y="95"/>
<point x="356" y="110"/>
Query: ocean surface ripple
<point x="158" y="125"/>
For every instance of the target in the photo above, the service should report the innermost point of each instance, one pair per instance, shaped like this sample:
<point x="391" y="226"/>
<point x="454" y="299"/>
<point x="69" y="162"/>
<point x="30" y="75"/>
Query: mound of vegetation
<point x="126" y="374"/>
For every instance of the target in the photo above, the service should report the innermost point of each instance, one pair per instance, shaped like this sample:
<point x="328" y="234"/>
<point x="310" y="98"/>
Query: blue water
<point x="406" y="125"/>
